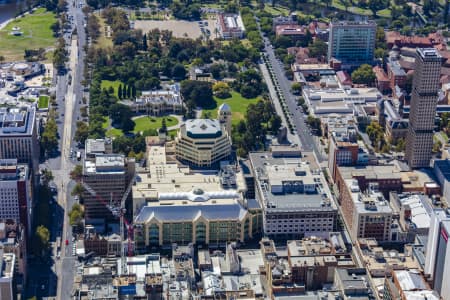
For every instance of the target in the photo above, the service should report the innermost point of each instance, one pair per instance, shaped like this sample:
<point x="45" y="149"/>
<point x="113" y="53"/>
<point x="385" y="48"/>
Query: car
<point x="43" y="287"/>
<point x="67" y="242"/>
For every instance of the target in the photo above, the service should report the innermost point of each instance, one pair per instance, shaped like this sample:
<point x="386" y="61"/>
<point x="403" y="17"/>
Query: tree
<point x="119" y="91"/>
<point x="46" y="177"/>
<point x="77" y="190"/>
<point x="133" y="91"/>
<point x="82" y="132"/>
<point x="144" y="42"/>
<point x="375" y="133"/>
<point x="41" y="240"/>
<point x="49" y="137"/>
<point x="197" y="93"/>
<point x="296" y="88"/>
<point x="216" y="70"/>
<point x="437" y="146"/>
<point x="178" y="72"/>
<point x="363" y="75"/>
<point x="129" y="92"/>
<point x="76" y="173"/>
<point x="75" y="215"/>
<point x="318" y="48"/>
<point x="221" y="90"/>
<point x="400" y="145"/>
<point x="249" y="83"/>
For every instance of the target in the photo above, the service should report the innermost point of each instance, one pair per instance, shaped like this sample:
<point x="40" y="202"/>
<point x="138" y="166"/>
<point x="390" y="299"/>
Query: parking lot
<point x="179" y="28"/>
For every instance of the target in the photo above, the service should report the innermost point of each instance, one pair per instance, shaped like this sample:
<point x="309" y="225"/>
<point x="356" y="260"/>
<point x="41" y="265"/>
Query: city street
<point x="307" y="141"/>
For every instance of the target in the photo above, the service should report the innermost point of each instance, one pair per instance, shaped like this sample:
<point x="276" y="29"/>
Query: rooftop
<point x="105" y="164"/>
<point x="372" y="202"/>
<point x="289" y="183"/>
<point x="17" y="121"/>
<point x="428" y="53"/>
<point x="203" y="128"/>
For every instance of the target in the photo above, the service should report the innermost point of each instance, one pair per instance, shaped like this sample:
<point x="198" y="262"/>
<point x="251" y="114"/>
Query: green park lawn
<point x="43" y="102"/>
<point x="237" y="103"/>
<point x="37" y="33"/>
<point x="146" y="123"/>
<point x="142" y="124"/>
<point x="106" y="84"/>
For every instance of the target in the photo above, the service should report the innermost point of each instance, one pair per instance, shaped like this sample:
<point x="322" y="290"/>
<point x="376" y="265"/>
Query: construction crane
<point x="118" y="211"/>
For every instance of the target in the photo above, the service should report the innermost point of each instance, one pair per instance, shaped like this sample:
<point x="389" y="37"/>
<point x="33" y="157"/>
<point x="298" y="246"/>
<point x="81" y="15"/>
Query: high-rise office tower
<point x="419" y="141"/>
<point x="353" y="43"/>
<point x="437" y="260"/>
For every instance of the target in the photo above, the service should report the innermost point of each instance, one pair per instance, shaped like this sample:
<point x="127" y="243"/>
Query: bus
<point x="78" y="155"/>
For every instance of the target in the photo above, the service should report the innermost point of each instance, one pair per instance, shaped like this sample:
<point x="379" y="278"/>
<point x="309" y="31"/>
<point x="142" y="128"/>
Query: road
<point x="298" y="118"/>
<point x="70" y="94"/>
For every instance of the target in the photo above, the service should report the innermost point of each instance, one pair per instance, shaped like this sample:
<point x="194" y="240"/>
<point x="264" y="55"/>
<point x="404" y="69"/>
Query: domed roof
<point x="224" y="107"/>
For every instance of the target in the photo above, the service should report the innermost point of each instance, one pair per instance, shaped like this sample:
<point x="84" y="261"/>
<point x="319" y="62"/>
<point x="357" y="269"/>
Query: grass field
<point x="106" y="84"/>
<point x="103" y="41"/>
<point x="36" y="34"/>
<point x="142" y="124"/>
<point x="276" y="11"/>
<point x="237" y="103"/>
<point x="146" y="123"/>
<point x="43" y="102"/>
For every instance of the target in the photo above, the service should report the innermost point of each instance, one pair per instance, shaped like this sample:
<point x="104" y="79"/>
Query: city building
<point x="419" y="141"/>
<point x="387" y="177"/>
<point x="442" y="171"/>
<point x="13" y="240"/>
<point x="353" y="283"/>
<point x="437" y="259"/>
<point x="343" y="101"/>
<point x="366" y="213"/>
<point x="230" y="26"/>
<point x="353" y="43"/>
<point x="101" y="245"/>
<point x="284" y="20"/>
<point x="320" y="30"/>
<point x="16" y="198"/>
<point x="157" y="103"/>
<point x="396" y="127"/>
<point x="396" y="74"/>
<point x="174" y="204"/>
<point x="381" y="261"/>
<point x="303" y="265"/>
<point x="344" y="149"/>
<point x="414" y="211"/>
<point x="19" y="135"/>
<point x="381" y="79"/>
<point x="293" y="194"/>
<point x="106" y="176"/>
<point x="407" y="285"/>
<point x="294" y="32"/>
<point x="7" y="287"/>
<point x="204" y="142"/>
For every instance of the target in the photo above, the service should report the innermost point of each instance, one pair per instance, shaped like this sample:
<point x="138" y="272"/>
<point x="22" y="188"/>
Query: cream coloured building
<point x="204" y="142"/>
<point x="173" y="204"/>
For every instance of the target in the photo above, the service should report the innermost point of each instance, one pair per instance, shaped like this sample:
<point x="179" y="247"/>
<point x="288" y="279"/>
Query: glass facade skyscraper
<point x="353" y="43"/>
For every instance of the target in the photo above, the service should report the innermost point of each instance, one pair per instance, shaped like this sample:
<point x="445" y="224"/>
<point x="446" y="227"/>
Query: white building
<point x="204" y="142"/>
<point x="156" y="103"/>
<point x="293" y="194"/>
<point x="19" y="135"/>
<point x="7" y="261"/>
<point x="230" y="26"/>
<point x="437" y="260"/>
